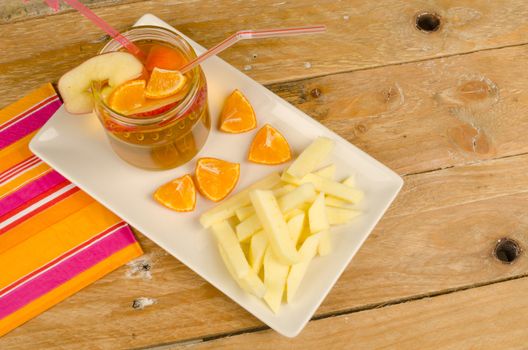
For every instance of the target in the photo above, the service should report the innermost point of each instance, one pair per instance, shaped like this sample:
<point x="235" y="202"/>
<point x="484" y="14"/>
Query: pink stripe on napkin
<point x="28" y="123"/>
<point x="65" y="270"/>
<point x="30" y="191"/>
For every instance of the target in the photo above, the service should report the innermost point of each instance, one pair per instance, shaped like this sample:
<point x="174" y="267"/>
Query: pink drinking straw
<point x="251" y="34"/>
<point x="86" y="12"/>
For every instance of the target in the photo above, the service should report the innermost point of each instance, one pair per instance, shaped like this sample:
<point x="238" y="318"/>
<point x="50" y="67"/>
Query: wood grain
<point x="458" y="114"/>
<point x="445" y="322"/>
<point x="427" y="115"/>
<point x="459" y="185"/>
<point x="444" y="242"/>
<point x="459" y="110"/>
<point x="15" y="10"/>
<point x="361" y="34"/>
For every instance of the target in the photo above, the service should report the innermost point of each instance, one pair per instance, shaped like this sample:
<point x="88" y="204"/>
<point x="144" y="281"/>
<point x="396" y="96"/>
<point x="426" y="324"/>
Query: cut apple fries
<point x="284" y="222"/>
<point x="227" y="208"/>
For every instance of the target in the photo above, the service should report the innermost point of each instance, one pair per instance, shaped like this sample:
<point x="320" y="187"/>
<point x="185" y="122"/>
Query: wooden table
<point x="446" y="108"/>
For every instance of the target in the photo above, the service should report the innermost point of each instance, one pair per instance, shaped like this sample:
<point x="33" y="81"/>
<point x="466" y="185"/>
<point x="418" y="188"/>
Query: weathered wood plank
<point x="426" y="115"/>
<point x="443" y="322"/>
<point x="427" y="244"/>
<point x="414" y="117"/>
<point x="18" y="10"/>
<point x="361" y="34"/>
<point x="418" y="116"/>
<point x="458" y="185"/>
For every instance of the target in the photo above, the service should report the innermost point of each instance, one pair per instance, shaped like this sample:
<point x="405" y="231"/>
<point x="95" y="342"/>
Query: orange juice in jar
<point x="155" y="132"/>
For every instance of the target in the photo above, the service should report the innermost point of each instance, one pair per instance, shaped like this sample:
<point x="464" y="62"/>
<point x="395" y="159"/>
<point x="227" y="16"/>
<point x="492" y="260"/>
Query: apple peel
<point x="115" y="68"/>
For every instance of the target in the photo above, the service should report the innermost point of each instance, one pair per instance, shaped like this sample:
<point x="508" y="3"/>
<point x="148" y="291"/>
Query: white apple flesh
<point x="115" y="68"/>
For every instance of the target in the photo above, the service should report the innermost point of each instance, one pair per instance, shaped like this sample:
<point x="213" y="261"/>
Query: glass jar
<point x="176" y="132"/>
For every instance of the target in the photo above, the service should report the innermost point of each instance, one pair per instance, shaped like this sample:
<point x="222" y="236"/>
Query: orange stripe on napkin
<point x="47" y="218"/>
<point x="54" y="240"/>
<point x="23" y="178"/>
<point x="14" y="154"/>
<point x="68" y="288"/>
<point x="16" y="109"/>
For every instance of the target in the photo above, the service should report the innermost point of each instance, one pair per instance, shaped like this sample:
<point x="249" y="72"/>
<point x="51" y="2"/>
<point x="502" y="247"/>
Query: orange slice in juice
<point x="216" y="178"/>
<point x="269" y="147"/>
<point x="237" y="115"/>
<point x="164" y="83"/>
<point x="164" y="57"/>
<point x="127" y="96"/>
<point x="178" y="194"/>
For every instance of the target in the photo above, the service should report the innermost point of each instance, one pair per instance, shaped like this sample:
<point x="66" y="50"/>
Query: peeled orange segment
<point x="178" y="194"/>
<point x="237" y="114"/>
<point x="164" y="83"/>
<point x="128" y="96"/>
<point x="216" y="178"/>
<point x="269" y="147"/>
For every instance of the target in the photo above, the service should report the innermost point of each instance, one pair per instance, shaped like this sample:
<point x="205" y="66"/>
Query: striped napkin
<point x="54" y="238"/>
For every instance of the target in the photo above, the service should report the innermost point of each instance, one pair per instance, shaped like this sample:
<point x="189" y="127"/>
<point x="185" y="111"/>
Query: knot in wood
<point x="428" y="22"/>
<point x="507" y="250"/>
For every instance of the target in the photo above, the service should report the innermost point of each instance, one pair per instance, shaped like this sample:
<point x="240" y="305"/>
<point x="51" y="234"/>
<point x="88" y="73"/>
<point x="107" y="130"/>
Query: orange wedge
<point x="269" y="147"/>
<point x="127" y="96"/>
<point x="164" y="83"/>
<point x="164" y="57"/>
<point x="179" y="194"/>
<point x="216" y="178"/>
<point x="237" y="115"/>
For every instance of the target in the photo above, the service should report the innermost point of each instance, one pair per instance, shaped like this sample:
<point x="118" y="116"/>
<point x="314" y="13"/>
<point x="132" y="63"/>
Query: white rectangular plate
<point x="77" y="147"/>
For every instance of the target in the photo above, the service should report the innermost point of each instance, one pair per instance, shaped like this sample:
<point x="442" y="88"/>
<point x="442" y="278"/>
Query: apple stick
<point x="244" y="212"/>
<point x="297" y="271"/>
<point x="339" y="216"/>
<point x="246" y="228"/>
<point x="227" y="208"/>
<point x="317" y="216"/>
<point x="251" y="283"/>
<point x="226" y="238"/>
<point x="327" y="172"/>
<point x="311" y="157"/>
<point x="301" y="194"/>
<point x="257" y="249"/>
<point x="334" y="188"/>
<point x="275" y="275"/>
<point x="296" y="227"/>
<point x="274" y="225"/>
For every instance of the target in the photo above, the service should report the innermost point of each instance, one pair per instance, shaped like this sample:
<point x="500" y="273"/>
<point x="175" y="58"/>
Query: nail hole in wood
<point x="136" y="304"/>
<point x="507" y="250"/>
<point x="428" y="22"/>
<point x="315" y="93"/>
<point x="146" y="267"/>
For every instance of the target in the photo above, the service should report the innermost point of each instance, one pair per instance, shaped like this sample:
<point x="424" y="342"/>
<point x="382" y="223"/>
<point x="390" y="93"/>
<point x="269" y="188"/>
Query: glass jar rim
<point x="138" y="33"/>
